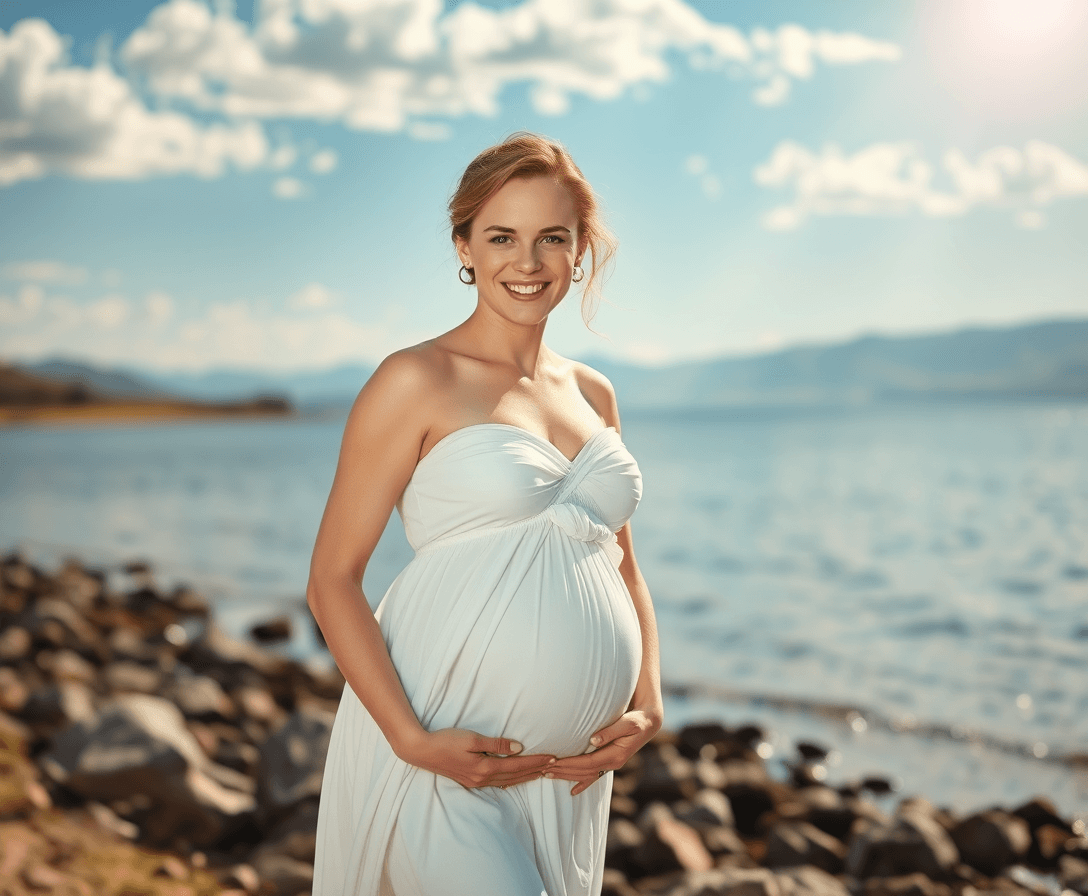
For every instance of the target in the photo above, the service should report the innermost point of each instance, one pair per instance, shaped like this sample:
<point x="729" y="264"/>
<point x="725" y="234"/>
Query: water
<point x="907" y="585"/>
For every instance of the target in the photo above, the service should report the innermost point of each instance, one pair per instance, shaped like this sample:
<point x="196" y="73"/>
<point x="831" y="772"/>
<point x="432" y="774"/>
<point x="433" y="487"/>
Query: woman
<point x="513" y="664"/>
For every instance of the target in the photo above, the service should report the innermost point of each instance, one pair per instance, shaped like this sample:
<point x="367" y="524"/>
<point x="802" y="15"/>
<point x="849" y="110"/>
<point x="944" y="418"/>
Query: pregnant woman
<point x="513" y="664"/>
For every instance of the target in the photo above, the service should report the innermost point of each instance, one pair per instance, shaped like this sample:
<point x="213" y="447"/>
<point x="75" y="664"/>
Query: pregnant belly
<point x="541" y="645"/>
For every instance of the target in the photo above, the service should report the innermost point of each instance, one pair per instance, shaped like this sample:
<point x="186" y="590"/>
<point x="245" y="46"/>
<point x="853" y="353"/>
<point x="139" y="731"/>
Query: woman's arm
<point x="382" y="438"/>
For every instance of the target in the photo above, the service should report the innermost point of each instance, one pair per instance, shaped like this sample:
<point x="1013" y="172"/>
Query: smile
<point x="525" y="289"/>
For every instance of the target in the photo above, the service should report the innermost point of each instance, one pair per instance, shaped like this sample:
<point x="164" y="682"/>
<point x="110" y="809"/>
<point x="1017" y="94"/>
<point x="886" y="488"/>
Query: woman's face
<point x="523" y="247"/>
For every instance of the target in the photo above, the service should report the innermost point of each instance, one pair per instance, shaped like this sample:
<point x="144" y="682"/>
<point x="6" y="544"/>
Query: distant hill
<point x="1046" y="360"/>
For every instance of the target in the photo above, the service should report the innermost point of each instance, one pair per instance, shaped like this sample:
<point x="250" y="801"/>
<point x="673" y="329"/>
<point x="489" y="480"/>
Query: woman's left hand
<point x="614" y="745"/>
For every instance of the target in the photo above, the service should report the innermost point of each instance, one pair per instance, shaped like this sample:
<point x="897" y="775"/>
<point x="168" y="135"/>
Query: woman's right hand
<point x="473" y="760"/>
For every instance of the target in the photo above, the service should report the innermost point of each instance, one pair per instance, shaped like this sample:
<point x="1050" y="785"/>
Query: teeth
<point x="525" y="290"/>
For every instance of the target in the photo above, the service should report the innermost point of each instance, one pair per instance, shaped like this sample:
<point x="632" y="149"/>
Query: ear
<point x="582" y="244"/>
<point x="462" y="251"/>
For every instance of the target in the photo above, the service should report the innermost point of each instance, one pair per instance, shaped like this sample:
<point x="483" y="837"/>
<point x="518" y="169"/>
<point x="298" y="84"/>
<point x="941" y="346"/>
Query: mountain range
<point x="1046" y="360"/>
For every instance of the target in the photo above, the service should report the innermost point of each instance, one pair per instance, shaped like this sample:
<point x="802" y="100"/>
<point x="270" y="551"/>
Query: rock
<point x="992" y="840"/>
<point x="1051" y="841"/>
<point x="623" y="842"/>
<point x="916" y="884"/>
<point x="21" y="790"/>
<point x="75" y="631"/>
<point x="14" y="644"/>
<point x="240" y="877"/>
<point x="125" y="677"/>
<point x="139" y="744"/>
<point x="272" y="630"/>
<point x="258" y="704"/>
<point x="669" y="844"/>
<point x="810" y="751"/>
<point x="805" y="880"/>
<point x="912" y="842"/>
<point x="13" y="693"/>
<point x="707" y="740"/>
<point x="199" y="697"/>
<point x="111" y="821"/>
<point x="286" y="876"/>
<point x="53" y="707"/>
<point x="707" y="809"/>
<point x="615" y="883"/>
<point x="665" y="776"/>
<point x="792" y="843"/>
<point x="127" y="643"/>
<point x="66" y="665"/>
<point x="227" y="659"/>
<point x="1073" y="874"/>
<point x="724" y="882"/>
<point x="293" y="759"/>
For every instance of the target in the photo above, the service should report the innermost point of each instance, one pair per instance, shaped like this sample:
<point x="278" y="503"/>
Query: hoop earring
<point x="578" y="275"/>
<point x="471" y="276"/>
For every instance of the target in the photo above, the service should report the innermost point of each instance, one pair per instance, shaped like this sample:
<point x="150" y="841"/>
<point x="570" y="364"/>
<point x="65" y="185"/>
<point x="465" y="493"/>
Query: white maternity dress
<point x="511" y="620"/>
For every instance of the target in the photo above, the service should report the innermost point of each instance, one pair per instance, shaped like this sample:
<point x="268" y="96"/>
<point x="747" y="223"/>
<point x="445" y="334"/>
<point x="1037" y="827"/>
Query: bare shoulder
<point x="401" y="390"/>
<point x="598" y="391"/>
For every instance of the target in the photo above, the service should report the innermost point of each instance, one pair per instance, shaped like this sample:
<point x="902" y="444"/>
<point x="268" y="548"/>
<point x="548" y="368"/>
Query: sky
<point x="187" y="185"/>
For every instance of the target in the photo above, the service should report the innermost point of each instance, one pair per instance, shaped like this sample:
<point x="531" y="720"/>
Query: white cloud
<point x="313" y="295"/>
<point x="108" y="312"/>
<point x="324" y="161"/>
<point x="698" y="166"/>
<point x="45" y="271"/>
<point x="90" y="123"/>
<point x="23" y="308"/>
<point x="283" y="157"/>
<point x="388" y="66"/>
<point x="288" y="188"/>
<point x="232" y="330"/>
<point x="895" y="178"/>
<point x="159" y="307"/>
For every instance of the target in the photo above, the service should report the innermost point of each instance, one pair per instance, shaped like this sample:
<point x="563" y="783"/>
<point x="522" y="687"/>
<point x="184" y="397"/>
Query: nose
<point x="528" y="259"/>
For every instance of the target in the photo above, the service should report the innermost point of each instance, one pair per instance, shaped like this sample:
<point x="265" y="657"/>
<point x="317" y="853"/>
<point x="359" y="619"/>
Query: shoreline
<point x="235" y="812"/>
<point x="139" y="412"/>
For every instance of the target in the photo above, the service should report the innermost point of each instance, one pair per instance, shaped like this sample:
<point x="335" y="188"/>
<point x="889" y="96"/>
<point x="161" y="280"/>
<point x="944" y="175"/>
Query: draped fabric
<point x="511" y="620"/>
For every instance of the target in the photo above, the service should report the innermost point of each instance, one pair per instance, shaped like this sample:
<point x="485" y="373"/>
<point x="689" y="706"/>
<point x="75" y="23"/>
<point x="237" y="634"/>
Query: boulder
<point x="792" y="843"/>
<point x="665" y="776"/>
<point x="293" y="759"/>
<point x="14" y="644"/>
<point x="138" y="744"/>
<point x="805" y="880"/>
<point x="272" y="630"/>
<point x="199" y="697"/>
<point x="124" y="677"/>
<point x="669" y="844"/>
<point x="912" y="842"/>
<point x="916" y="884"/>
<point x="1073" y="874"/>
<point x="21" y="790"/>
<point x="992" y="840"/>
<point x="722" y="882"/>
<point x="282" y="875"/>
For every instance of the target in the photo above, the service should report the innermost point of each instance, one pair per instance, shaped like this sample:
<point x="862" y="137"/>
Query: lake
<point x="907" y="585"/>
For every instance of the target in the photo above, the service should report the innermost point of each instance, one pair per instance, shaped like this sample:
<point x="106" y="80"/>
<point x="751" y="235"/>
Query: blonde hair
<point x="524" y="154"/>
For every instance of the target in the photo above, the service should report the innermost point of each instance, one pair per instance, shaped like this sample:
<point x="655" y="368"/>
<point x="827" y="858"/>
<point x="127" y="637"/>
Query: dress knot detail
<point x="581" y="525"/>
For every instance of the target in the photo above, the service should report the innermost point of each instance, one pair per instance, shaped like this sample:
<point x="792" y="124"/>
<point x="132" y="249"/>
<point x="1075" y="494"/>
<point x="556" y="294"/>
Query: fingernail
<point x="515" y="747"/>
<point x="551" y="761"/>
<point x="548" y="775"/>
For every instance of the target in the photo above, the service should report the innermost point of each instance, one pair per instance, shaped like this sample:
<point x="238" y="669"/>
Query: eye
<point x="558" y="239"/>
<point x="496" y="239"/>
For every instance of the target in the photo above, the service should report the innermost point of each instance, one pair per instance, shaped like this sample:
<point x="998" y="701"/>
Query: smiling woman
<point x="524" y="156"/>
<point x="513" y="664"/>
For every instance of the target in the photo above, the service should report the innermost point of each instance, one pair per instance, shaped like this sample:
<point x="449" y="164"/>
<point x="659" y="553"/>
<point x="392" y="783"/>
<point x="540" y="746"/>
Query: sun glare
<point x="1013" y="58"/>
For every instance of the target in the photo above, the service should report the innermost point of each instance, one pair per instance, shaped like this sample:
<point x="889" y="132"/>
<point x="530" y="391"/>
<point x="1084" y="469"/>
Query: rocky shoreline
<point x="142" y="750"/>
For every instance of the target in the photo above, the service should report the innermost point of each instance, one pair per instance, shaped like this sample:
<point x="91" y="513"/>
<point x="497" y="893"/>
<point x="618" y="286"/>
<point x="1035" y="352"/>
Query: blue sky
<point x="189" y="186"/>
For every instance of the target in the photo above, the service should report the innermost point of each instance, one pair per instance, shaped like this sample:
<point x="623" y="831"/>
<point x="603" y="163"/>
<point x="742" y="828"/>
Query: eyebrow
<point x="502" y="229"/>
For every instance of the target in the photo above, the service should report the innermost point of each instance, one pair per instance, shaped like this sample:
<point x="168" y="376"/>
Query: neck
<point x="505" y="342"/>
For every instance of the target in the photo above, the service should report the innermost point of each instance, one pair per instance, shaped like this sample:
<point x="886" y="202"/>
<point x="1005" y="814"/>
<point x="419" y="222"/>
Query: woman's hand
<point x="613" y="745"/>
<point x="473" y="760"/>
